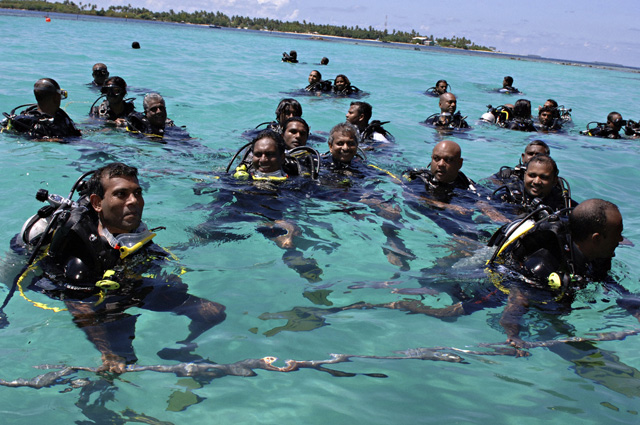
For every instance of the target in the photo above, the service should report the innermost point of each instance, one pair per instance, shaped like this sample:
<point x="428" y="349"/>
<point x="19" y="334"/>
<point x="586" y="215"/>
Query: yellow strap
<point x="383" y="170"/>
<point x="21" y="278"/>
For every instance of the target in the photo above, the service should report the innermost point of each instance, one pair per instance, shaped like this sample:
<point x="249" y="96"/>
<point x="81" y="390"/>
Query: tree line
<point x="220" y="19"/>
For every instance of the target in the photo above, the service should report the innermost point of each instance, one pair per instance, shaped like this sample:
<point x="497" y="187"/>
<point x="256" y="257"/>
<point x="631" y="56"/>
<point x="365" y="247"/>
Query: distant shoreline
<point x="346" y="40"/>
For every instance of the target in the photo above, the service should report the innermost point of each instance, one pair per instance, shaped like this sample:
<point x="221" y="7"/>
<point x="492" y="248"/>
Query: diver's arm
<point x="493" y="214"/>
<point x="517" y="306"/>
<point x="84" y="316"/>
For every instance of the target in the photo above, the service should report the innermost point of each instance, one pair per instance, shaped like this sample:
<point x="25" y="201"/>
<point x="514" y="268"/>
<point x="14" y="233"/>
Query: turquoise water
<point x="219" y="83"/>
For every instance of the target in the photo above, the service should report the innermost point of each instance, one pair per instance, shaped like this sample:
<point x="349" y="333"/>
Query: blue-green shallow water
<point x="220" y="83"/>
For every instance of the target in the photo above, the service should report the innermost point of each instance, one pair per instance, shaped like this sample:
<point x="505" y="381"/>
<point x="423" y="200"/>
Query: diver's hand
<point x="112" y="363"/>
<point x="120" y="122"/>
<point x="518" y="343"/>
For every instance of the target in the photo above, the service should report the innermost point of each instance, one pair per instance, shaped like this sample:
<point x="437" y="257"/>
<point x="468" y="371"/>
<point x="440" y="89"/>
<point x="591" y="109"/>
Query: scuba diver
<point x="153" y="122"/>
<point x="291" y="57"/>
<point x="97" y="250"/>
<point x="609" y="130"/>
<point x="373" y="132"/>
<point x="632" y="129"/>
<point x="342" y="86"/>
<point x="446" y="195"/>
<point x="540" y="185"/>
<point x="44" y="120"/>
<point x="448" y="118"/>
<point x="507" y="86"/>
<point x="439" y="89"/>
<point x="549" y="120"/>
<point x="520" y="120"/>
<point x="295" y="132"/>
<point x="114" y="108"/>
<point x="316" y="84"/>
<point x="559" y="111"/>
<point x="100" y="73"/>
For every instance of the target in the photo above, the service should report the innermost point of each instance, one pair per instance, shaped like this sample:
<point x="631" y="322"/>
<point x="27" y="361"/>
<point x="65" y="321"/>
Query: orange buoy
<point x="48" y="19"/>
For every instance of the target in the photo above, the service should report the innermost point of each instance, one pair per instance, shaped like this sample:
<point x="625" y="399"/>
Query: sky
<point x="582" y="30"/>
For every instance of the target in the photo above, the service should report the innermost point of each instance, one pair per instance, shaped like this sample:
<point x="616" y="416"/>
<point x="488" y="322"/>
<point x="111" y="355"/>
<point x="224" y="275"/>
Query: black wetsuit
<point x="138" y="122"/>
<point x="461" y="192"/>
<point x="519" y="124"/>
<point x="346" y="91"/>
<point x="513" y="192"/>
<point x="38" y="125"/>
<point x="320" y="86"/>
<point x="603" y="131"/>
<point x="104" y="111"/>
<point x="556" y="125"/>
<point x="455" y="121"/>
<point x="79" y="256"/>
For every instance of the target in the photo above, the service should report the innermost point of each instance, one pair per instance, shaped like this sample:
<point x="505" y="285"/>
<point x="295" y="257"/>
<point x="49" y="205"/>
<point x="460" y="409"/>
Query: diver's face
<point x="539" y="179"/>
<point x="314" y="77"/>
<point x="546" y="117"/>
<point x="286" y="114"/>
<point x="156" y="113"/>
<point x="114" y="94"/>
<point x="445" y="162"/>
<point x="295" y="135"/>
<point x="616" y="122"/>
<point x="340" y="83"/>
<point x="353" y="115"/>
<point x="532" y="151"/>
<point x="100" y="75"/>
<point x="448" y="103"/>
<point x="120" y="210"/>
<point x="343" y="147"/>
<point x="441" y="87"/>
<point x="612" y="236"/>
<point x="266" y="158"/>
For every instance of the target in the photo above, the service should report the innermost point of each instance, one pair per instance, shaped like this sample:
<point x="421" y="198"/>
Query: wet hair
<point x="544" y="159"/>
<point x="288" y="103"/>
<point x="319" y="74"/>
<point x="508" y="79"/>
<point x="589" y="217"/>
<point x="551" y="109"/>
<point x="135" y="45"/>
<point x="522" y="109"/>
<point x="116" y="81"/>
<point x="324" y="61"/>
<point x="363" y="108"/>
<point x="539" y="143"/>
<point x="344" y="128"/>
<point x="611" y="115"/>
<point x="293" y="54"/>
<point x="98" y="66"/>
<point x="294" y="119"/>
<point x="150" y="97"/>
<point x="273" y="135"/>
<point x="44" y="88"/>
<point x="441" y="81"/>
<point x="346" y="79"/>
<point x="553" y="102"/>
<point x="115" y="169"/>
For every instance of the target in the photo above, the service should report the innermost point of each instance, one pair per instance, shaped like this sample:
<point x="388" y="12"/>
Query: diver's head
<point x="116" y="196"/>
<point x="540" y="176"/>
<point x="324" y="61"/>
<point x="48" y="95"/>
<point x="295" y="132"/>
<point x="441" y="87"/>
<point x="448" y="103"/>
<point x="546" y="115"/>
<point x="341" y="82"/>
<point x="615" y="121"/>
<point x="343" y="142"/>
<point x="446" y="161"/>
<point x="536" y="147"/>
<point x="507" y="81"/>
<point x="288" y="108"/>
<point x="268" y="152"/>
<point x="155" y="109"/>
<point x="522" y="109"/>
<point x="115" y="88"/>
<point x="596" y="228"/>
<point x="359" y="113"/>
<point x="100" y="74"/>
<point x="315" y="77"/>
